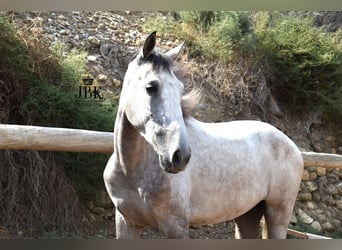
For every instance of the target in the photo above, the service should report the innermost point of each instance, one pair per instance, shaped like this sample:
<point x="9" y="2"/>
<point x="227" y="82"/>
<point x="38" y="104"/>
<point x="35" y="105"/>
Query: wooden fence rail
<point x="18" y="137"/>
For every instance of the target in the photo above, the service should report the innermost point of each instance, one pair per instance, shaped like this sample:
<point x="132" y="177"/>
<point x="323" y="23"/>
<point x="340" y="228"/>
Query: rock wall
<point x="319" y="202"/>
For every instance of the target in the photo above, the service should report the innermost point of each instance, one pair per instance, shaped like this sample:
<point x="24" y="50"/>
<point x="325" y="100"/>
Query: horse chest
<point x="141" y="200"/>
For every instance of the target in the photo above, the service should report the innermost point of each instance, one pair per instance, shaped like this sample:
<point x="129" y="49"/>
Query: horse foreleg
<point x="126" y="229"/>
<point x="175" y="228"/>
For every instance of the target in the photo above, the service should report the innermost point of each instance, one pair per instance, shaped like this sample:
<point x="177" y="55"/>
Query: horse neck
<point x="129" y="145"/>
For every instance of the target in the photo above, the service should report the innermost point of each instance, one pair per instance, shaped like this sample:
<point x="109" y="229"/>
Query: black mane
<point x="158" y="60"/>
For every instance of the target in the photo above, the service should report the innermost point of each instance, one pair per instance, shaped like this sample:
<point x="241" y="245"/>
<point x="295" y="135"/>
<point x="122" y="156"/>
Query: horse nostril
<point x="177" y="158"/>
<point x="180" y="159"/>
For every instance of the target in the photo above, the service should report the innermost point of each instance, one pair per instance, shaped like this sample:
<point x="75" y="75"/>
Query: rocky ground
<point x="111" y="38"/>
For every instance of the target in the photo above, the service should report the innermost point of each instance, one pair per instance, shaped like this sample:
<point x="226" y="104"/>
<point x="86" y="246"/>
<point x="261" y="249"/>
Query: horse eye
<point x="152" y="87"/>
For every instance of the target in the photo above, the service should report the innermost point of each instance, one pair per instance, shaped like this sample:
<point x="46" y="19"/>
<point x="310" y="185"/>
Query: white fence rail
<point x="19" y="137"/>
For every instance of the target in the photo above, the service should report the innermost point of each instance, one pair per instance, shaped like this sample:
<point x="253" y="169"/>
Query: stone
<point x="304" y="217"/>
<point x="310" y="205"/>
<point x="133" y="34"/>
<point x="311" y="186"/>
<point x="316" y="226"/>
<point x="61" y="17"/>
<point x="117" y="83"/>
<point x="102" y="77"/>
<point x="304" y="197"/>
<point x="332" y="177"/>
<point x="319" y="211"/>
<point x="327" y="226"/>
<point x="339" y="204"/>
<point x="92" y="58"/>
<point x="321" y="217"/>
<point x="64" y="32"/>
<point x="336" y="223"/>
<point x="321" y="171"/>
<point x="94" y="40"/>
<point x="98" y="210"/>
<point x="331" y="189"/>
<point x="305" y="176"/>
<point x="312" y="176"/>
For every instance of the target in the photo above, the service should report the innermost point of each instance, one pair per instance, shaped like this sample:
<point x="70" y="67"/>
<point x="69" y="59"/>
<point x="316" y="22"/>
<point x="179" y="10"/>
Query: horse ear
<point x="173" y="53"/>
<point x="149" y="44"/>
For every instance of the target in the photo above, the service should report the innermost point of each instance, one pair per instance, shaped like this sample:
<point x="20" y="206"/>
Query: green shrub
<point x="220" y="35"/>
<point x="211" y="35"/>
<point x="11" y="46"/>
<point x="43" y="86"/>
<point x="57" y="105"/>
<point x="304" y="63"/>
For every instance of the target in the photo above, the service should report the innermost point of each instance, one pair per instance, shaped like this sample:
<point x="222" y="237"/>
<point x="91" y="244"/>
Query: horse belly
<point x="232" y="176"/>
<point x="224" y="200"/>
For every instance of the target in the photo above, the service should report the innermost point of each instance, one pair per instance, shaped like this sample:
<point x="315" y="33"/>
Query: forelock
<point x="159" y="61"/>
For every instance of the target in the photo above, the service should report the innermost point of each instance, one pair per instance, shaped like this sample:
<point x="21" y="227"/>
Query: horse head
<point x="152" y="103"/>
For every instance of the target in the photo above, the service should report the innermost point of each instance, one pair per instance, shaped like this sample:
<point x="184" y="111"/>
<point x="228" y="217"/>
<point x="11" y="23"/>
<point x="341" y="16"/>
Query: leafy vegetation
<point x="56" y="104"/>
<point x="39" y="86"/>
<point x="304" y="64"/>
<point x="211" y="35"/>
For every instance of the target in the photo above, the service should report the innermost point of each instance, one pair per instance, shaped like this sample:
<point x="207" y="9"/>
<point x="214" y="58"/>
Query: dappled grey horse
<point x="169" y="170"/>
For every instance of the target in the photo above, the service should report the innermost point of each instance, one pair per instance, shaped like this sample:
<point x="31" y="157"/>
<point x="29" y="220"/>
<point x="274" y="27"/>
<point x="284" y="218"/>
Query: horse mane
<point x="190" y="101"/>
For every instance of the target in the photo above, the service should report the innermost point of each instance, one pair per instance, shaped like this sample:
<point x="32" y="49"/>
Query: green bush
<point x="304" y="62"/>
<point x="210" y="35"/>
<point x="57" y="105"/>
<point x="11" y="46"/>
<point x="43" y="82"/>
<point x="221" y="35"/>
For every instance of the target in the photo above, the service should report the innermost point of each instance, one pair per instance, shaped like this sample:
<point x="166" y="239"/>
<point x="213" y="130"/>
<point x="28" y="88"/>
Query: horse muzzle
<point x="175" y="163"/>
